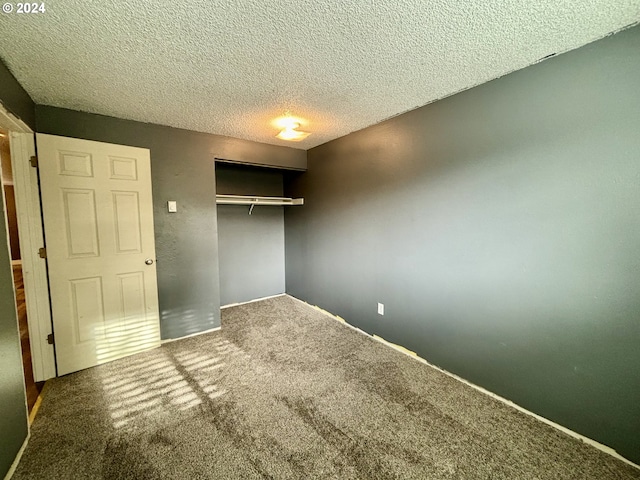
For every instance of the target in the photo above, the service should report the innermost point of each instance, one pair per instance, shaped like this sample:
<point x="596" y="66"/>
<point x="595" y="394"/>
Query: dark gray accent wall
<point x="13" y="405"/>
<point x="250" y="247"/>
<point x="182" y="169"/>
<point x="13" y="420"/>
<point x="501" y="229"/>
<point x="15" y="98"/>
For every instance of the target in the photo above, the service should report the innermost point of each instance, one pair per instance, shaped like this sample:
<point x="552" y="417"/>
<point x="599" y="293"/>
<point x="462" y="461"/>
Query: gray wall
<point x="182" y="169"/>
<point x="501" y="229"/>
<point x="15" y="98"/>
<point x="13" y="408"/>
<point x="250" y="247"/>
<point x="13" y="419"/>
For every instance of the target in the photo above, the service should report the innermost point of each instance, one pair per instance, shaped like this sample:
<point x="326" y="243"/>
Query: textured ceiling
<point x="231" y="67"/>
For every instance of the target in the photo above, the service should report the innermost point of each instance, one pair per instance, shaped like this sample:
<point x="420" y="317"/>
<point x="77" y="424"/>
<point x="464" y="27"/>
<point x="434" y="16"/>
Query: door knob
<point x="148" y="261"/>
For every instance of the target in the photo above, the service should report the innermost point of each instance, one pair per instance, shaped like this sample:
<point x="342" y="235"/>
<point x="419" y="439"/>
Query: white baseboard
<point x="252" y="301"/>
<point x="587" y="440"/>
<point x="169" y="340"/>
<point x="15" y="463"/>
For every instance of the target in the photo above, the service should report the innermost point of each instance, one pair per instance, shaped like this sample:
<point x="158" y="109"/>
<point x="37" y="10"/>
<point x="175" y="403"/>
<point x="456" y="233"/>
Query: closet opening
<point x="251" y="255"/>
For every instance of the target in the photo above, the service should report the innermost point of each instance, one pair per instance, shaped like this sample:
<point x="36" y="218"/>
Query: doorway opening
<point x="33" y="388"/>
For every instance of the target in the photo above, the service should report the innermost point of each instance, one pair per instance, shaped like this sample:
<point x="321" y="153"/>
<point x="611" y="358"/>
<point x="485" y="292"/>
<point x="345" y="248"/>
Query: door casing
<point x="31" y="236"/>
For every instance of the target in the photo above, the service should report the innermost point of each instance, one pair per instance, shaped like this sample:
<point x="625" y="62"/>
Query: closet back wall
<point x="250" y="247"/>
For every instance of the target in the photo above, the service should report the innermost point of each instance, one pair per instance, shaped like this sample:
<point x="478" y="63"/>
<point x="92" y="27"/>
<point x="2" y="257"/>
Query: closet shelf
<point x="251" y="200"/>
<point x="254" y="200"/>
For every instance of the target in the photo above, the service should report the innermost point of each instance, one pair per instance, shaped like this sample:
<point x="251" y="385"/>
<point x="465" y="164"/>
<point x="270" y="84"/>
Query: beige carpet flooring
<point x="285" y="392"/>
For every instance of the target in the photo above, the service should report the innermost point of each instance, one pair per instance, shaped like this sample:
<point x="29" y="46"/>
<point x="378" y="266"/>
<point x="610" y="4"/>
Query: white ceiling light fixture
<point x="291" y="134"/>
<point x="290" y="130"/>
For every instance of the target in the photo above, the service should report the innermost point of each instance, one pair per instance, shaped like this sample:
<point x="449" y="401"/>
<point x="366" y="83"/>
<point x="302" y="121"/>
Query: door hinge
<point x="42" y="252"/>
<point x="34" y="161"/>
<point x="50" y="339"/>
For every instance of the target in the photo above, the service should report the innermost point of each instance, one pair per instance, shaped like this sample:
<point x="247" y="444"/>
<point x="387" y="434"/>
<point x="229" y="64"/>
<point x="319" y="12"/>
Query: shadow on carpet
<point x="285" y="392"/>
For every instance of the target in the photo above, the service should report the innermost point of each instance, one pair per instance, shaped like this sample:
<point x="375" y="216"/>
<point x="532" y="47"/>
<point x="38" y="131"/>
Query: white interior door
<point x="98" y="221"/>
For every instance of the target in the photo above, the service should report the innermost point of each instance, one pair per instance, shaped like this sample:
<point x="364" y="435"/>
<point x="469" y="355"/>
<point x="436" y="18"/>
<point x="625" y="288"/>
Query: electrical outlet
<point x="380" y="308"/>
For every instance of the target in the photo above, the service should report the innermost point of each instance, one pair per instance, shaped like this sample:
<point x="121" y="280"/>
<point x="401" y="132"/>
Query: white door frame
<point x="31" y="236"/>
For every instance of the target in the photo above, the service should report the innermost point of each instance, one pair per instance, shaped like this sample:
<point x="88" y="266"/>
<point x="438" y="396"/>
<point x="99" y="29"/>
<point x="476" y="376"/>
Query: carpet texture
<point x="285" y="392"/>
